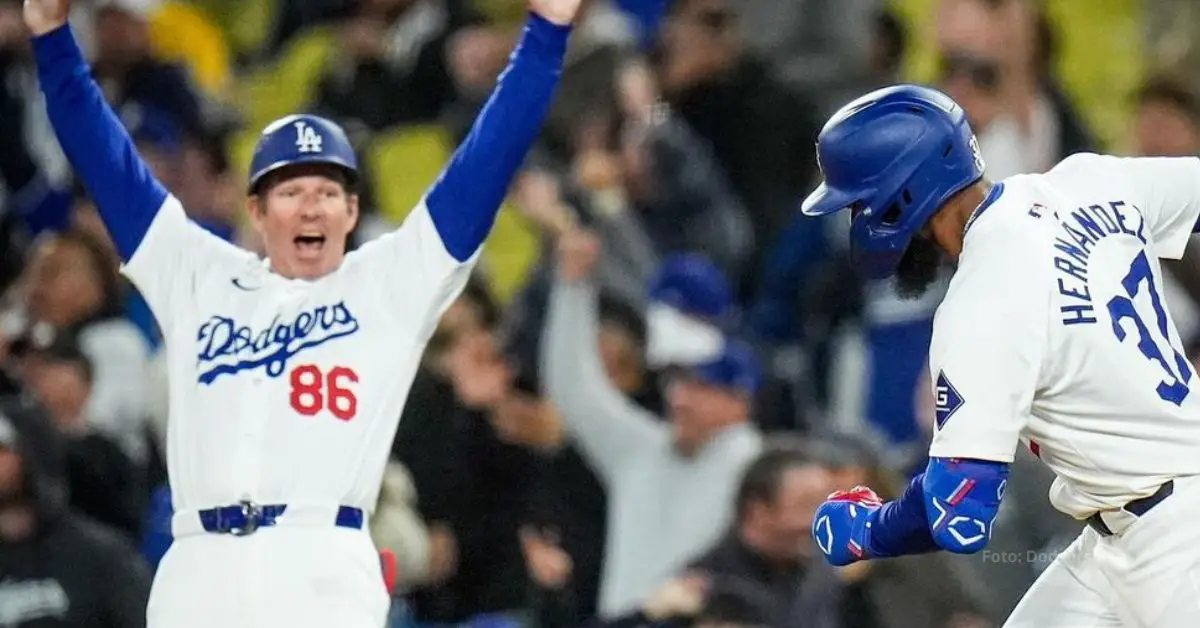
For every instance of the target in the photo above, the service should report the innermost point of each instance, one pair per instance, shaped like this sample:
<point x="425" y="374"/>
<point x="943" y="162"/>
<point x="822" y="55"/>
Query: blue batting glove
<point x="842" y="526"/>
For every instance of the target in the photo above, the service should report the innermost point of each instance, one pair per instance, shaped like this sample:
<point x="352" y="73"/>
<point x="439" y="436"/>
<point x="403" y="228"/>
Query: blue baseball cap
<point x="736" y="367"/>
<point x="693" y="285"/>
<point x="147" y="123"/>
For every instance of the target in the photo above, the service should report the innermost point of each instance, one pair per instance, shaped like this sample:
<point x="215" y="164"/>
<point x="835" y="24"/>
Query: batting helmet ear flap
<point x="302" y="139"/>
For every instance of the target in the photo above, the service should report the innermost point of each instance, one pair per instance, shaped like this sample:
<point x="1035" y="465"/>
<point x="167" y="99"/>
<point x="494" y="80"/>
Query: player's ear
<point x="352" y="206"/>
<point x="256" y="208"/>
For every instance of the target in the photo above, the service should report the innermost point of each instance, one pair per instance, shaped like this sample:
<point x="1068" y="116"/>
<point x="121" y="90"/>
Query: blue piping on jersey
<point x="465" y="199"/>
<point x="95" y="142"/>
<point x="992" y="196"/>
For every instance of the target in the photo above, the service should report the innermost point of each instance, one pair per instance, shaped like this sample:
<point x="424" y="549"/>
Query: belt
<point x="1137" y="508"/>
<point x="246" y="517"/>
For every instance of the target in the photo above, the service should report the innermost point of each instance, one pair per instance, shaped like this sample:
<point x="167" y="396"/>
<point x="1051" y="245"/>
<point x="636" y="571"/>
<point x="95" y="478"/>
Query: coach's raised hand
<point x="43" y="16"/>
<point x="560" y="12"/>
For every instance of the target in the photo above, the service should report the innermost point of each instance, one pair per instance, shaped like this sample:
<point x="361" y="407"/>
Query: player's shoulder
<point x="1002" y="248"/>
<point x="1085" y="172"/>
<point x="1004" y="228"/>
<point x="177" y="229"/>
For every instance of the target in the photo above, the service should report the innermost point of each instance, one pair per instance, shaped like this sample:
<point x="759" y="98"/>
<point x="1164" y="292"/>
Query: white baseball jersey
<point x="287" y="390"/>
<point x="1053" y="332"/>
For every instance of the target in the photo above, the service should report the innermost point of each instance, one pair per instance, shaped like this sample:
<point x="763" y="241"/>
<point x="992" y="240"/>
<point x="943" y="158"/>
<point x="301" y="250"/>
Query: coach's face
<point x="305" y="220"/>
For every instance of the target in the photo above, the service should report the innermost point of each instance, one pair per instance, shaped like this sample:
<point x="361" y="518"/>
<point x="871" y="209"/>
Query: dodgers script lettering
<point x="227" y="347"/>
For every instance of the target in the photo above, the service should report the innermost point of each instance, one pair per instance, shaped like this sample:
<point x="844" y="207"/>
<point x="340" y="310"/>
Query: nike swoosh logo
<point x="237" y="283"/>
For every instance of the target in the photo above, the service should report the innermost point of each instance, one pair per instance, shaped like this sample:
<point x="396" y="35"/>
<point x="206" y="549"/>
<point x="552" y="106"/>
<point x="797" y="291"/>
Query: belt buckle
<point x="252" y="513"/>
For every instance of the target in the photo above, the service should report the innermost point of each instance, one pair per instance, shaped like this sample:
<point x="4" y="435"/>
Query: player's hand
<point x="43" y="16"/>
<point x="560" y="12"/>
<point x="578" y="250"/>
<point x="840" y="525"/>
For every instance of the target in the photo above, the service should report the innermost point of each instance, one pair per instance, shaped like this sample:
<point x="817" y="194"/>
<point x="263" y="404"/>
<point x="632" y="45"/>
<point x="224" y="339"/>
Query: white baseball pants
<point x="300" y="577"/>
<point x="1147" y="576"/>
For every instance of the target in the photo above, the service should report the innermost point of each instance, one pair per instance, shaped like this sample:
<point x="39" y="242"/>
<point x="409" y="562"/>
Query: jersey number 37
<point x="1173" y="389"/>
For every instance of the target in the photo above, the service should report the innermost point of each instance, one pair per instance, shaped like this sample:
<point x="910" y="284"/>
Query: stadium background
<point x="735" y="95"/>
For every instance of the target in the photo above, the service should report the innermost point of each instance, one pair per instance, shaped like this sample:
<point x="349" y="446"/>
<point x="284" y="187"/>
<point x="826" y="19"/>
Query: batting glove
<point x="842" y="525"/>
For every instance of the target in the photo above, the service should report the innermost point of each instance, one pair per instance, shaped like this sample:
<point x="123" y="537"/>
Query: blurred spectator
<point x="996" y="60"/>
<point x="31" y="172"/>
<point x="672" y="180"/>
<point x="630" y="255"/>
<point x="291" y="16"/>
<point x="60" y="569"/>
<point x="889" y="42"/>
<point x="646" y="163"/>
<point x="567" y="523"/>
<point x="733" y="605"/>
<point x="696" y="601"/>
<point x="761" y="132"/>
<point x="691" y="308"/>
<point x="392" y="70"/>
<point x="126" y="69"/>
<point x="209" y="192"/>
<point x="1074" y="136"/>
<point x="770" y="543"/>
<point x="102" y="481"/>
<point x="670" y="484"/>
<point x="158" y="137"/>
<point x="396" y="526"/>
<point x="472" y="469"/>
<point x="71" y="288"/>
<point x="1166" y="121"/>
<point x="818" y="45"/>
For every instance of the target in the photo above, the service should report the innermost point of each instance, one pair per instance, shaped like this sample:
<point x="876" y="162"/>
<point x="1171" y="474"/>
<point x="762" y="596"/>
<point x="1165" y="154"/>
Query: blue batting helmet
<point x="302" y="139"/>
<point x="893" y="157"/>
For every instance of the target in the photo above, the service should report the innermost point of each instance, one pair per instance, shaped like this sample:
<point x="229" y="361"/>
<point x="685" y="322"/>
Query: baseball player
<point x="1052" y="334"/>
<point x="287" y="374"/>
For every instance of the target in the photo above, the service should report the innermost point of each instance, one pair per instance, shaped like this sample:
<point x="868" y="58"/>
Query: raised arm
<point x="606" y="425"/>
<point x="464" y="200"/>
<point x="92" y="137"/>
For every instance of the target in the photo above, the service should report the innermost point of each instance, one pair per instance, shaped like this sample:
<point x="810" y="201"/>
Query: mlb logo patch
<point x="947" y="400"/>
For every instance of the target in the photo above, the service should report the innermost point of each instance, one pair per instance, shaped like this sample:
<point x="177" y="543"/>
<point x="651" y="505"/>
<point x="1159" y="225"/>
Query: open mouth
<point x="310" y="243"/>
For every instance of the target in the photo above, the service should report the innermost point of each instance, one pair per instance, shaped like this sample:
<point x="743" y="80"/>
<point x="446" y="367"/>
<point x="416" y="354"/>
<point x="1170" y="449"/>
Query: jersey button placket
<point x="256" y="402"/>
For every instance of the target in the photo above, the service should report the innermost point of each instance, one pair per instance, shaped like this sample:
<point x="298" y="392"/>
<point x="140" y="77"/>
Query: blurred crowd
<point x="659" y="370"/>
